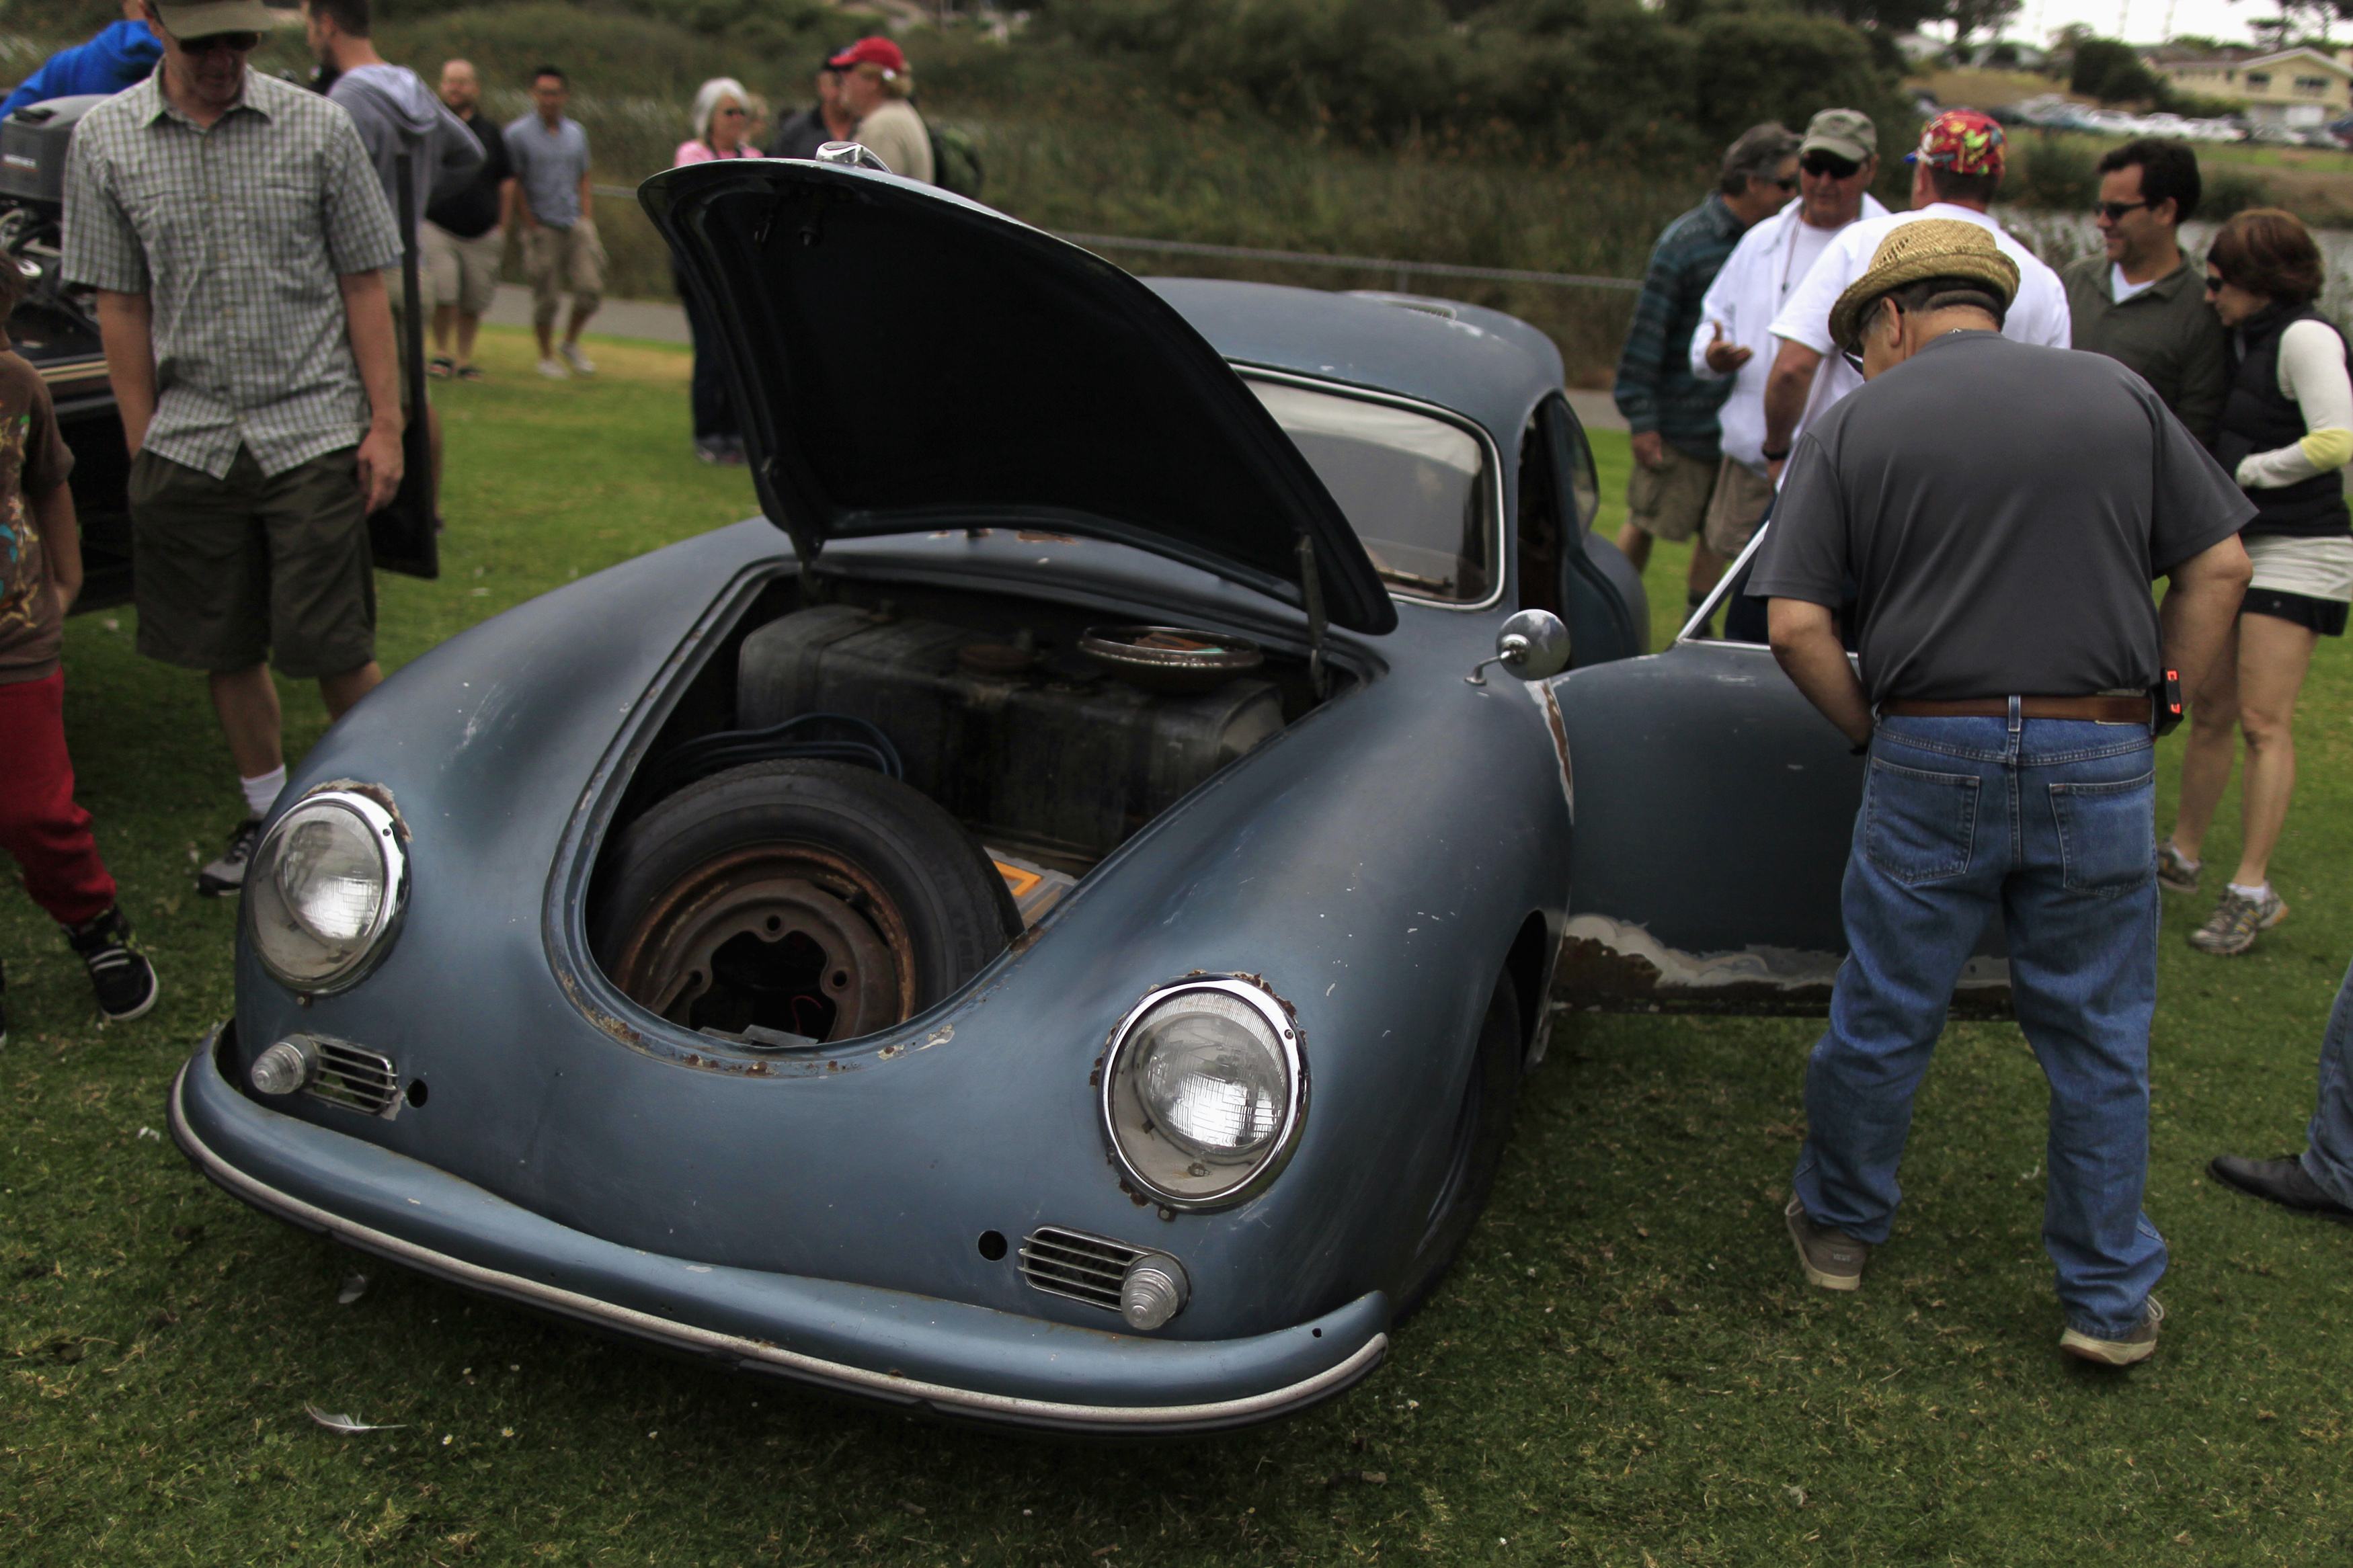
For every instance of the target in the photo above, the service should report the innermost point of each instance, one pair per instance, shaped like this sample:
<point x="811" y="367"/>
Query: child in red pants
<point x="40" y="572"/>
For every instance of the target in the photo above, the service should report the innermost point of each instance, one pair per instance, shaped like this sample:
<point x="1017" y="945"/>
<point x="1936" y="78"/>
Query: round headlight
<point x="1203" y="1091"/>
<point x="324" y="891"/>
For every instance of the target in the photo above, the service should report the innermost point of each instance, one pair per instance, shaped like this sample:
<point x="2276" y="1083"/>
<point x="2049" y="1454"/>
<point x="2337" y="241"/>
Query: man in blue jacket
<point x="124" y="53"/>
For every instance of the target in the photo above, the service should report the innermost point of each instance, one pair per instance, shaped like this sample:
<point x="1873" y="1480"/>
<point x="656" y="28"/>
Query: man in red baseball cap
<point x="875" y="83"/>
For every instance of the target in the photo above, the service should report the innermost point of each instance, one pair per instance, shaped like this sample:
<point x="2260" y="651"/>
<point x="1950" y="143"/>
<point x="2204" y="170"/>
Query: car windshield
<point x="1409" y="486"/>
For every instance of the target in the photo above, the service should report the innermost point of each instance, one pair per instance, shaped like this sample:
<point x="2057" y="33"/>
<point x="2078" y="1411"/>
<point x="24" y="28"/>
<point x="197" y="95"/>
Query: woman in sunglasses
<point x="2286" y="434"/>
<point x="723" y="120"/>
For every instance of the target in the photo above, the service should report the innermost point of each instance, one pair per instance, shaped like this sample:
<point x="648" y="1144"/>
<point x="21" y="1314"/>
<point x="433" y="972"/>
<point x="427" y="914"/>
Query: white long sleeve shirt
<point x="1758" y="278"/>
<point x="2312" y="373"/>
<point x="2039" y="314"/>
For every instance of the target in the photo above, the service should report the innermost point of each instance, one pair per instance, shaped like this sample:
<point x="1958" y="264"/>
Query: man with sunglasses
<point x="1955" y="170"/>
<point x="236" y="236"/>
<point x="1836" y="163"/>
<point x="2137" y="298"/>
<point x="1672" y="413"/>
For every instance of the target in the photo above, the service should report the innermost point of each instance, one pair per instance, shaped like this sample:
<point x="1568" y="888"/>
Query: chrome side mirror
<point x="1533" y="645"/>
<point x="853" y="155"/>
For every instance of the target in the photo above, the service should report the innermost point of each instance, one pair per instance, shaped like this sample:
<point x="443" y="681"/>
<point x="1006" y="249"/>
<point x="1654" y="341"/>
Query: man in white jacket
<point x="1955" y="170"/>
<point x="1836" y="163"/>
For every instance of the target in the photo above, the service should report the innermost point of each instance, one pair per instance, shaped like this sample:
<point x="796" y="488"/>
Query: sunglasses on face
<point x="1828" y="163"/>
<point x="734" y="111"/>
<point x="2114" y="210"/>
<point x="235" y="43"/>
<point x="1784" y="187"/>
<point x="2215" y="282"/>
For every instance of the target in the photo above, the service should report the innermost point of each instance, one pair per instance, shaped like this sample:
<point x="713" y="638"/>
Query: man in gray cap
<point x="235" y="236"/>
<point x="1836" y="163"/>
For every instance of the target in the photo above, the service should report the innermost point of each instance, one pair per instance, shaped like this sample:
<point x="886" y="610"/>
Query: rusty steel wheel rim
<point x="689" y="938"/>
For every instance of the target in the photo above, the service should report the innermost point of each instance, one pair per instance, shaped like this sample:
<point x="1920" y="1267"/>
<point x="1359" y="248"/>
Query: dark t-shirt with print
<point x="33" y="461"/>
<point x="1998" y="511"/>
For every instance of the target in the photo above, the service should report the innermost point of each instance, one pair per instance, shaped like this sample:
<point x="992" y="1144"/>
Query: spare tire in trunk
<point x="790" y="902"/>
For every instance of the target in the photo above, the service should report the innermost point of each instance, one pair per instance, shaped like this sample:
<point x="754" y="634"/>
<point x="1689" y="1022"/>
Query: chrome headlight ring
<point x="291" y="944"/>
<point x="1244" y="1123"/>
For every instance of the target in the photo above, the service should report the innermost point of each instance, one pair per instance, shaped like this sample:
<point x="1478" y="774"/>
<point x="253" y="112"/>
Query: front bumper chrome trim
<point x="755" y="1354"/>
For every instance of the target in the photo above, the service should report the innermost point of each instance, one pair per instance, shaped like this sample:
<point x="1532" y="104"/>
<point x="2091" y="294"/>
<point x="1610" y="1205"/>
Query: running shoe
<point x="2232" y="926"/>
<point x="226" y="875"/>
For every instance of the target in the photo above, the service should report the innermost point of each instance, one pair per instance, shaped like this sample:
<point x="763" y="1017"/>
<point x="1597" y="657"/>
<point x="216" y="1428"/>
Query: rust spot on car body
<point x="374" y="792"/>
<point x="1545" y="697"/>
<point x="1607" y="965"/>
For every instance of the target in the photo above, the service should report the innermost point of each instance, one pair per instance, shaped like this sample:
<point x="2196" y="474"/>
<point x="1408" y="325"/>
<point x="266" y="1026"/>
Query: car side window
<point x="1543" y="525"/>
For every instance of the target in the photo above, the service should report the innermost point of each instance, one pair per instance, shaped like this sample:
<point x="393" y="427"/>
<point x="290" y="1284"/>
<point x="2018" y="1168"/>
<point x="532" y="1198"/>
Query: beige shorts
<point x="560" y="261"/>
<point x="1738" y="505"/>
<point x="396" y="290"/>
<point x="462" y="272"/>
<point x="1669" y="502"/>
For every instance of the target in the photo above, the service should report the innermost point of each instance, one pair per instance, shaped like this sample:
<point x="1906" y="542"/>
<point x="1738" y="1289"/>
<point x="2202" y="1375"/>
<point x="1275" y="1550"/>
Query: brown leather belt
<point x="2099" y="709"/>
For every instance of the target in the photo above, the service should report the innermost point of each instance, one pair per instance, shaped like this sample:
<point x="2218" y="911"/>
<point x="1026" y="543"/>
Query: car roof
<point x="1481" y="364"/>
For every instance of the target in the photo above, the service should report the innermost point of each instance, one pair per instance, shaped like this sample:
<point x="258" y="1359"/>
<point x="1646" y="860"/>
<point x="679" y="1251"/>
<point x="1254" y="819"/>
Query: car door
<point x="1712" y="808"/>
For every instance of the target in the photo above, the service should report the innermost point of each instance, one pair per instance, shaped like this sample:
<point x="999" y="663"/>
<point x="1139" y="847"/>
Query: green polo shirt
<point x="2166" y="332"/>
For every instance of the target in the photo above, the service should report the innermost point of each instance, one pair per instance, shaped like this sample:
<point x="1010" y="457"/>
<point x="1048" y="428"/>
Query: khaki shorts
<point x="228" y="572"/>
<point x="561" y="260"/>
<point x="1737" y="506"/>
<point x="1668" y="503"/>
<point x="462" y="272"/>
<point x="395" y="289"/>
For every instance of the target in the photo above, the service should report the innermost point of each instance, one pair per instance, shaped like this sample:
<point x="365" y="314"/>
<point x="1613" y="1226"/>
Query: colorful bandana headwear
<point x="1960" y="140"/>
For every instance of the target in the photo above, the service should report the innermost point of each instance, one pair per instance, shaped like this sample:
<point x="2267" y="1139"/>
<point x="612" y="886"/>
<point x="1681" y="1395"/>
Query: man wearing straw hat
<point x="1987" y="515"/>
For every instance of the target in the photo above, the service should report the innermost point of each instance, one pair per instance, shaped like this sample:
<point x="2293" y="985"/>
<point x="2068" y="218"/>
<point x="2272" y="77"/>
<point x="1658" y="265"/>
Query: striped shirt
<point x="1655" y="389"/>
<point x="238" y="235"/>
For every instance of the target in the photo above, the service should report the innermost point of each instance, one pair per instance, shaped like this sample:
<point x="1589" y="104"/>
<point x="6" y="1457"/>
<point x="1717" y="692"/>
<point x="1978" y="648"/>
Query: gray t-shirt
<point x="550" y="165"/>
<point x="1996" y="513"/>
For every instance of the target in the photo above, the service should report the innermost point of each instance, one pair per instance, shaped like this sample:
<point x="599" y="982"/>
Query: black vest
<point x="2256" y="417"/>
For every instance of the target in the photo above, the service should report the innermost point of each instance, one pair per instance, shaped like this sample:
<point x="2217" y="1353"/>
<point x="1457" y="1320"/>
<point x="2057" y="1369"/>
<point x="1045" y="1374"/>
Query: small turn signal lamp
<point x="1154" y="1291"/>
<point x="285" y="1067"/>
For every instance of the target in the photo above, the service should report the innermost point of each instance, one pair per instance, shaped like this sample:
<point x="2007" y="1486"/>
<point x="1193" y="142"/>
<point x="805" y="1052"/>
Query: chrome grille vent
<point x="355" y="1079"/>
<point x="1071" y="1263"/>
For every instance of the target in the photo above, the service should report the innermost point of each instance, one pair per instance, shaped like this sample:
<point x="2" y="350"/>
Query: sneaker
<point x="1832" y="1259"/>
<point x="226" y="875"/>
<point x="553" y="370"/>
<point x="119" y="976"/>
<point x="580" y="363"/>
<point x="2283" y="1181"/>
<point x="710" y="449"/>
<point x="2130" y="1350"/>
<point x="2176" y="870"/>
<point x="440" y="367"/>
<point x="2232" y="926"/>
<point x="470" y="373"/>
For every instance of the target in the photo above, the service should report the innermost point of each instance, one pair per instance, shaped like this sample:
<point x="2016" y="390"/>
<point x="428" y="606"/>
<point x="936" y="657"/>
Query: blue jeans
<point x="2052" y="821"/>
<point x="2329" y="1151"/>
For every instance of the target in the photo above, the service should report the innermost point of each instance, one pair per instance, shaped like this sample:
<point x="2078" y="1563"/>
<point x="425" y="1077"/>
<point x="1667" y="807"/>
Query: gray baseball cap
<point x="1845" y="132"/>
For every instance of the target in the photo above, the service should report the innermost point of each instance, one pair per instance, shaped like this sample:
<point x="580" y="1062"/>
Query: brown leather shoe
<point x="1831" y="1259"/>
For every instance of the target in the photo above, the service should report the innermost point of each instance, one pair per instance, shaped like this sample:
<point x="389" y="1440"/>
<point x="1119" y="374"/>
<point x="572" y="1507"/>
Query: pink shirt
<point x="696" y="151"/>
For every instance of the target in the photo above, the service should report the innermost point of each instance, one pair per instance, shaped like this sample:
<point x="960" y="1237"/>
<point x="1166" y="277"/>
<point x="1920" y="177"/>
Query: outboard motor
<point x="33" y="146"/>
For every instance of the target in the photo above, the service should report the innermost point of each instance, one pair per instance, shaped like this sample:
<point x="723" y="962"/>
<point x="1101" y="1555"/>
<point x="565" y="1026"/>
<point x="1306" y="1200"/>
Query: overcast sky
<point x="2146" y="21"/>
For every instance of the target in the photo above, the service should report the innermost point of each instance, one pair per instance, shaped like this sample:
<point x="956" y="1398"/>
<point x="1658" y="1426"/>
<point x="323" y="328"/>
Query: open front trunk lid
<point x="907" y="359"/>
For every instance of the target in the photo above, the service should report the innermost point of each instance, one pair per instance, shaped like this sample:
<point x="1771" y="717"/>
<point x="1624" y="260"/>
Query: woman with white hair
<point x="722" y="112"/>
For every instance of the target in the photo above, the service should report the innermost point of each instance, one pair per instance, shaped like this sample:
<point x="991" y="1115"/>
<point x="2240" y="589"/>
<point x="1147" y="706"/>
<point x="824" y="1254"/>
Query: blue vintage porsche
<point x="1046" y="924"/>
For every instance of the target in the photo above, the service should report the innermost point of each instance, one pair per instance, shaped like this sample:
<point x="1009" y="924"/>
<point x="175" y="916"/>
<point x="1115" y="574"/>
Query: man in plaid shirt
<point x="235" y="234"/>
<point x="1671" y="411"/>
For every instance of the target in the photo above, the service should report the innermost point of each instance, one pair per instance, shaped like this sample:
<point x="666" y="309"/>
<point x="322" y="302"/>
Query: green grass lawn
<point x="1625" y="1370"/>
